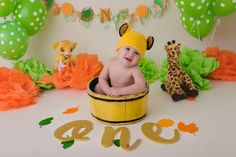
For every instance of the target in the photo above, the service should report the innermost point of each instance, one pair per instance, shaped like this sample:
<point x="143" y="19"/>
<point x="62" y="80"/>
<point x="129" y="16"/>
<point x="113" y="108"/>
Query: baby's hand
<point x="108" y="91"/>
<point x="113" y="91"/>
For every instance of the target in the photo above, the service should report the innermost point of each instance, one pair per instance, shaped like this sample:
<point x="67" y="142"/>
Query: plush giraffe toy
<point x="178" y="84"/>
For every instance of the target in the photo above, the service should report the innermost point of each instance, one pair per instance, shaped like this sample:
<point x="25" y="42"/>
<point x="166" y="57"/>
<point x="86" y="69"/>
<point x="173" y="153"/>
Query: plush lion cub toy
<point x="64" y="53"/>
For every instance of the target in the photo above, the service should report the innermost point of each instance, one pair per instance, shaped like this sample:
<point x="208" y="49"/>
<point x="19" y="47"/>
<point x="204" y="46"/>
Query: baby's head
<point x="132" y="46"/>
<point x="64" y="48"/>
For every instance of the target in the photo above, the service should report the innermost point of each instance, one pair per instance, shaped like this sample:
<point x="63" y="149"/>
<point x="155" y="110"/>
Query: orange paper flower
<point x="76" y="75"/>
<point x="190" y="128"/>
<point x="165" y="123"/>
<point x="67" y="8"/>
<point x="142" y="11"/>
<point x="227" y="59"/>
<point x="16" y="89"/>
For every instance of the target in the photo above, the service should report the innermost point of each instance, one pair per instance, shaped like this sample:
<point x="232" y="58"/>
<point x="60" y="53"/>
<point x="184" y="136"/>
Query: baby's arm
<point x="104" y="78"/>
<point x="138" y="86"/>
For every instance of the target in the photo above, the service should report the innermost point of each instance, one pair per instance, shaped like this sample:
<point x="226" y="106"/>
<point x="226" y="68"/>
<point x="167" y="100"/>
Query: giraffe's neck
<point x="173" y="59"/>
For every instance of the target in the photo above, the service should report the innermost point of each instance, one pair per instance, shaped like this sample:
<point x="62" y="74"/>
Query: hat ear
<point x="150" y="41"/>
<point x="124" y="28"/>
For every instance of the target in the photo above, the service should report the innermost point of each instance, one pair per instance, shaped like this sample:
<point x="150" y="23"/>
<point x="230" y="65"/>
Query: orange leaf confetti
<point x="190" y="128"/>
<point x="165" y="123"/>
<point x="71" y="110"/>
<point x="67" y="8"/>
<point x="142" y="11"/>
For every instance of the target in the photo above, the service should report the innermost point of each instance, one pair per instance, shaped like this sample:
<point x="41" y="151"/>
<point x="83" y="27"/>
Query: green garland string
<point x="149" y="70"/>
<point x="196" y="64"/>
<point x="36" y="70"/>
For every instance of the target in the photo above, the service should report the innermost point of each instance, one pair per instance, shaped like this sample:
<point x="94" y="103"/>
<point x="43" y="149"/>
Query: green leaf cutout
<point x="117" y="142"/>
<point x="45" y="121"/>
<point x="67" y="144"/>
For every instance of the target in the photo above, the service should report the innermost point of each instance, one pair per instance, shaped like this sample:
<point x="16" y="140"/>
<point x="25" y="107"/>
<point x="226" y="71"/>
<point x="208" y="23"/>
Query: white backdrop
<point x="97" y="39"/>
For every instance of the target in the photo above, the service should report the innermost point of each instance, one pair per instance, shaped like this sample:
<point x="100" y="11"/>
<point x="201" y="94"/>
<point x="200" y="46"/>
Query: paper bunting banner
<point x="108" y="19"/>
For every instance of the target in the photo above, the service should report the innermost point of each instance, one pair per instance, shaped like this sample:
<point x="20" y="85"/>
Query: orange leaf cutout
<point x="67" y="8"/>
<point x="71" y="110"/>
<point x="165" y="122"/>
<point x="142" y="11"/>
<point x="190" y="128"/>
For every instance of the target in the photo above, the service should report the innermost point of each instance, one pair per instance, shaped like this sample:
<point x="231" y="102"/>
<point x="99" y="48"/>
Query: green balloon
<point x="14" y="40"/>
<point x="223" y="7"/>
<point x="198" y="27"/>
<point x="31" y="14"/>
<point x="194" y="8"/>
<point x="6" y="7"/>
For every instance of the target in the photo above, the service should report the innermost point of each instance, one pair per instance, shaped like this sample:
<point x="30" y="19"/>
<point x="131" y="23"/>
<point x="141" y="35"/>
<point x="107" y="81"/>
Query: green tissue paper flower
<point x="149" y="70"/>
<point x="36" y="70"/>
<point x="196" y="64"/>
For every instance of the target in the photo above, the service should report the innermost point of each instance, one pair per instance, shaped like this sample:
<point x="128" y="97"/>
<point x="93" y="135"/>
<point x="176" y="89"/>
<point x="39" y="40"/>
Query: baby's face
<point x="128" y="56"/>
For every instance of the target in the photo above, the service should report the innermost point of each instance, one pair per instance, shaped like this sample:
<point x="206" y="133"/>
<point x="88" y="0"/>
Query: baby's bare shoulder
<point x="110" y="61"/>
<point x="135" y="69"/>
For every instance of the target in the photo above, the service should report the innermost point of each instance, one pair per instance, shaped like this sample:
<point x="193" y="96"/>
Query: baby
<point x="122" y="76"/>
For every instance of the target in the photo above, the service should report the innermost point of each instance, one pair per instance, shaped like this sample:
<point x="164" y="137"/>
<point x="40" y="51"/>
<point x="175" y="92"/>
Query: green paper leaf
<point x="45" y="121"/>
<point x="159" y="2"/>
<point x="36" y="70"/>
<point x="149" y="69"/>
<point x="67" y="144"/>
<point x="117" y="142"/>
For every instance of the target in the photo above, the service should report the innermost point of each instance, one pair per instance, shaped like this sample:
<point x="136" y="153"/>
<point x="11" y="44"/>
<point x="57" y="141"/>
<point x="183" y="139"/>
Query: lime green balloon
<point x="194" y="8"/>
<point x="14" y="40"/>
<point x="223" y="7"/>
<point x="6" y="7"/>
<point x="31" y="14"/>
<point x="198" y="27"/>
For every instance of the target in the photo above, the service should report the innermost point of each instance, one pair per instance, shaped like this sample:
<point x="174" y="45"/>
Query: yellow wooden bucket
<point x="117" y="110"/>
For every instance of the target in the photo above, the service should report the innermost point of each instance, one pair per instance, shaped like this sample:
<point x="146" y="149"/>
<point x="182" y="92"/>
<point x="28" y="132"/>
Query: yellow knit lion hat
<point x="134" y="39"/>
